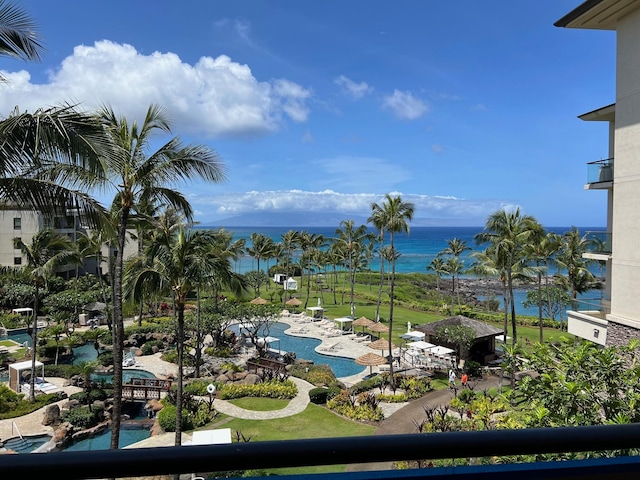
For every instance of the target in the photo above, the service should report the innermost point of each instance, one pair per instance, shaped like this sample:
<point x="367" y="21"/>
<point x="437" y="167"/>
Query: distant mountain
<point x="322" y="219"/>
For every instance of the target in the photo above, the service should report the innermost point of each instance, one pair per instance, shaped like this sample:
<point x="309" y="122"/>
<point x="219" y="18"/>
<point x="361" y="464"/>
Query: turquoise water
<point x="103" y="440"/>
<point x="305" y="349"/>
<point x="26" y="444"/>
<point x="127" y="375"/>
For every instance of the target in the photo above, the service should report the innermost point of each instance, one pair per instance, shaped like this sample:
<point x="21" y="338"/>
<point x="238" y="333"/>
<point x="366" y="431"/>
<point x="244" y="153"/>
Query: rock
<point x="153" y="405"/>
<point x="251" y="379"/>
<point x="51" y="415"/>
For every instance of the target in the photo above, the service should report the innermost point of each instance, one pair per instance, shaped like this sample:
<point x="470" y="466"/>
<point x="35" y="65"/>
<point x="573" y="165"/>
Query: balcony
<point x="600" y="174"/>
<point x="363" y="451"/>
<point x="587" y="319"/>
<point x="598" y="245"/>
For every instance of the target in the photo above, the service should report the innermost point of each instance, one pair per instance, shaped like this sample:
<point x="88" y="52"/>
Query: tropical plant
<point x="507" y="233"/>
<point x="46" y="251"/>
<point x="140" y="177"/>
<point x="396" y="214"/>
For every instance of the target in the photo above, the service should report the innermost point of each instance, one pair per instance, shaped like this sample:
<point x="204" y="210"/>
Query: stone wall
<point x="618" y="334"/>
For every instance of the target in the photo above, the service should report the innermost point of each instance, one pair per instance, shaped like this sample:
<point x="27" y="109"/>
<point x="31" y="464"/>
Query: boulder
<point x="251" y="379"/>
<point x="51" y="415"/>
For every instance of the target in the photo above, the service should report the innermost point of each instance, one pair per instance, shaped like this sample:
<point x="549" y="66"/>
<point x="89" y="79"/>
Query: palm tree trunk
<point x="180" y="349"/>
<point x="34" y="343"/>
<point x="540" y="305"/>
<point x="391" y="298"/>
<point x="381" y="279"/>
<point x="118" y="333"/>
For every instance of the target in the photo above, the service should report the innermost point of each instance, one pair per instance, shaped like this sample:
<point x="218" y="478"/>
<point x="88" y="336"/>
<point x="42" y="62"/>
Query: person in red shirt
<point x="464" y="380"/>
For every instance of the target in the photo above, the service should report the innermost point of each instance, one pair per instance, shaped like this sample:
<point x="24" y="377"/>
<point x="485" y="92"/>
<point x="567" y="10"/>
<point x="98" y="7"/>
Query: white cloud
<point x="353" y="89"/>
<point x="214" y="97"/>
<point x="329" y="201"/>
<point x="404" y="105"/>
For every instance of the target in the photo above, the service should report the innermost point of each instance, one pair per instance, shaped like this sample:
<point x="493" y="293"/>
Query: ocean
<point x="417" y="249"/>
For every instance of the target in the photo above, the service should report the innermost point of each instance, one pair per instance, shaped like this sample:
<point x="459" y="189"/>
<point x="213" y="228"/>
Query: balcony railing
<point x="598" y="241"/>
<point x="359" y="450"/>
<point x="600" y="171"/>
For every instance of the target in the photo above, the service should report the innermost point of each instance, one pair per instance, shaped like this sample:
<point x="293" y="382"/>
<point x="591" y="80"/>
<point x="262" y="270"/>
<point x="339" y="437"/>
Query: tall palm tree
<point x="397" y="214"/>
<point x="379" y="221"/>
<point x="46" y="251"/>
<point x="438" y="267"/>
<point x="138" y="175"/>
<point x="570" y="257"/>
<point x="181" y="261"/>
<point x="540" y="250"/>
<point x="507" y="233"/>
<point x="350" y="241"/>
<point x="309" y="243"/>
<point x="260" y="247"/>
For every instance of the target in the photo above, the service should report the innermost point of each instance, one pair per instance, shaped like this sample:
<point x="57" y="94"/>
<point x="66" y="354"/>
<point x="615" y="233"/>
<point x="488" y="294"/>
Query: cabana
<point x="316" y="312"/>
<point x="15" y="373"/>
<point x="344" y="323"/>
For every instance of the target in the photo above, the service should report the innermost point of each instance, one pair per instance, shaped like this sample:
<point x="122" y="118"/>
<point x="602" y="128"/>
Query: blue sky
<point x="325" y="106"/>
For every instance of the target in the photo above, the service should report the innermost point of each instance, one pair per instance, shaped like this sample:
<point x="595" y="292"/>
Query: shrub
<point x="270" y="389"/>
<point x="318" y="395"/>
<point x="318" y="375"/>
<point x="83" y="417"/>
<point x="167" y="419"/>
<point x="199" y="387"/>
<point x="147" y="347"/>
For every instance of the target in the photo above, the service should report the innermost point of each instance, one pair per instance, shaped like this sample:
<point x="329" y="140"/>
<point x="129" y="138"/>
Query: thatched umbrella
<point x="369" y="360"/>
<point x="363" y="322"/>
<point x="382" y="344"/>
<point x="378" y="328"/>
<point x="259" y="301"/>
<point x="293" y="302"/>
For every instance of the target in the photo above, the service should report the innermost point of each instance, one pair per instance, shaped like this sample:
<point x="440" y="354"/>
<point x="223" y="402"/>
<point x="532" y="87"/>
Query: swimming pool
<point x="304" y="348"/>
<point x="102" y="441"/>
<point x="127" y="375"/>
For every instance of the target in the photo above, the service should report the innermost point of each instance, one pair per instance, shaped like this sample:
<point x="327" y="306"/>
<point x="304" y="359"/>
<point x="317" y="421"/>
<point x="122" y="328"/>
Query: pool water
<point x="103" y="440"/>
<point x="26" y="444"/>
<point x="304" y="348"/>
<point x="127" y="375"/>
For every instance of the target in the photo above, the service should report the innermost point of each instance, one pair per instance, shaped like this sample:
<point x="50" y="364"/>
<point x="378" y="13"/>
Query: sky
<point x="324" y="107"/>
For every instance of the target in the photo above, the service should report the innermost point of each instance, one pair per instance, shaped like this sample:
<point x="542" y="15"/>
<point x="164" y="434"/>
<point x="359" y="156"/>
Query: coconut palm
<point x="540" y="250"/>
<point x="260" y="248"/>
<point x="438" y="267"/>
<point x="46" y="251"/>
<point x="396" y="214"/>
<point x="350" y="242"/>
<point x="570" y="257"/>
<point x="181" y="261"/>
<point x="507" y="233"/>
<point x="140" y="176"/>
<point x="19" y="36"/>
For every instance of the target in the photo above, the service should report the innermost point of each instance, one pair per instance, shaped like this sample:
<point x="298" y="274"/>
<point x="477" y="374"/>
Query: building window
<point x="17" y="260"/>
<point x="17" y="224"/>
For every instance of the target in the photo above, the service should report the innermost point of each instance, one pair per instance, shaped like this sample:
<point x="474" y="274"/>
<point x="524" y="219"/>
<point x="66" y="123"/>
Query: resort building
<point x="25" y="224"/>
<point x="617" y="318"/>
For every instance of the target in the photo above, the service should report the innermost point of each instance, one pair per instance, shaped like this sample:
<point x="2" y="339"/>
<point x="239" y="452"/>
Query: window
<point x="17" y="223"/>
<point x="17" y="260"/>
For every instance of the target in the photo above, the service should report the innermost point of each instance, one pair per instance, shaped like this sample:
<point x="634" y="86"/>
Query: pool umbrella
<point x="382" y="344"/>
<point x="294" y="302"/>
<point x="259" y="301"/>
<point x="363" y="322"/>
<point x="379" y="328"/>
<point x="369" y="360"/>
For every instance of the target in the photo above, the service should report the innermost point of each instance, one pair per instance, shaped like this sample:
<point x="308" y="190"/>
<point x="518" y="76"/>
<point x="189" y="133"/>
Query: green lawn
<point x="315" y="422"/>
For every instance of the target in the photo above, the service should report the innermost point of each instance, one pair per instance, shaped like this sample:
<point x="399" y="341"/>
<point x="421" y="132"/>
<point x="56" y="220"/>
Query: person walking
<point x="464" y="380"/>
<point x="452" y="378"/>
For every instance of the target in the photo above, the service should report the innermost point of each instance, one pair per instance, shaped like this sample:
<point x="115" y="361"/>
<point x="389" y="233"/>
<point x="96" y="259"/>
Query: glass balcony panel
<point x="600" y="171"/>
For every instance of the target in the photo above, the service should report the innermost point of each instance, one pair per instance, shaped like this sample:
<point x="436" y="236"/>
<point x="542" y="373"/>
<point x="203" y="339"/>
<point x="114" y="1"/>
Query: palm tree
<point x="454" y="265"/>
<point x="18" y="34"/>
<point x="397" y="215"/>
<point x="139" y="177"/>
<point x="507" y="234"/>
<point x="350" y="242"/>
<point x="540" y="250"/>
<point x="181" y="261"/>
<point x="570" y="257"/>
<point x="438" y="267"/>
<point x="379" y="221"/>
<point x="260" y="248"/>
<point x="46" y="251"/>
<point x="309" y="243"/>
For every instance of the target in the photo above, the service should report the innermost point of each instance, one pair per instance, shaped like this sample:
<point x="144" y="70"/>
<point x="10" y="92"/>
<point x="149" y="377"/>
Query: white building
<point x="618" y="318"/>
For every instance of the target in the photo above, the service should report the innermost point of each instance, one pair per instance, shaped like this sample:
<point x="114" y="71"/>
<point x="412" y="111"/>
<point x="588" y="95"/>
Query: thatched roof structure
<point x="482" y="330"/>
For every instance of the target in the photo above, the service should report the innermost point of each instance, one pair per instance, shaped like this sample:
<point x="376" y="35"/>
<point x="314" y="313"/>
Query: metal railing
<point x="358" y="450"/>
<point x="600" y="171"/>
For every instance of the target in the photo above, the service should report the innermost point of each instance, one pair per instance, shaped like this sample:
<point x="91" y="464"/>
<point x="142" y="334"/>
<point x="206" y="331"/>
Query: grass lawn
<point x="315" y="422"/>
